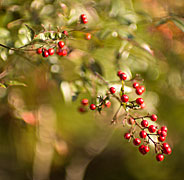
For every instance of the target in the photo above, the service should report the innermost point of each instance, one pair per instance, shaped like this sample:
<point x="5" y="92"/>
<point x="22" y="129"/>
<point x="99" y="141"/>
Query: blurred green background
<point x="42" y="134"/>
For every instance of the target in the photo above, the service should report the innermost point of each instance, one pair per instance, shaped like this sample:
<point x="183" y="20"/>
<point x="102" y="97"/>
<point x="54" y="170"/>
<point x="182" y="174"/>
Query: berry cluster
<point x="60" y="50"/>
<point x="147" y="132"/>
<point x="83" y="19"/>
<point x="150" y="133"/>
<point x="59" y="47"/>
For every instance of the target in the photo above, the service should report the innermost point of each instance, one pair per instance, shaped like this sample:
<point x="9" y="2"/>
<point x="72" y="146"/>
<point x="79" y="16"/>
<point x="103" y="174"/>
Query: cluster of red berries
<point x="60" y="51"/>
<point x="146" y="133"/>
<point x="83" y="18"/>
<point x="85" y="104"/>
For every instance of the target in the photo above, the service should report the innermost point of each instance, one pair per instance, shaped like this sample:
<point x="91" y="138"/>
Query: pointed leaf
<point x="31" y="32"/>
<point x="179" y="23"/>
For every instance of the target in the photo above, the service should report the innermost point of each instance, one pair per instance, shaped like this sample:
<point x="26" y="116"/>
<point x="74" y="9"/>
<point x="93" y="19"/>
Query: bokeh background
<point x="42" y="134"/>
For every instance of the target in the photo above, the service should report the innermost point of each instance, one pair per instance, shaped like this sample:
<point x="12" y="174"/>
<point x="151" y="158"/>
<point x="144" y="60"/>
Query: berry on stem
<point x="88" y="36"/>
<point x="146" y="148"/>
<point x="137" y="141"/>
<point x="144" y="123"/>
<point x="124" y="98"/>
<point x="163" y="133"/>
<point x="139" y="101"/>
<point x="167" y="150"/>
<point x="143" y="134"/>
<point x="141" y="149"/>
<point x="45" y="53"/>
<point x="152" y="128"/>
<point x="65" y="33"/>
<point x="135" y="85"/>
<point x="61" y="44"/>
<point x="160" y="157"/>
<point x="51" y="51"/>
<point x="142" y="105"/>
<point x="164" y="128"/>
<point x="127" y="135"/>
<point x="83" y="16"/>
<point x="165" y="145"/>
<point x="119" y="72"/>
<point x="84" y="102"/>
<point x="92" y="106"/>
<point x="123" y="76"/>
<point x="64" y="52"/>
<point x="159" y="132"/>
<point x="153" y="117"/>
<point x="139" y="91"/>
<point x="142" y="88"/>
<point x="131" y="121"/>
<point x="112" y="90"/>
<point x="161" y="138"/>
<point x="39" y="51"/>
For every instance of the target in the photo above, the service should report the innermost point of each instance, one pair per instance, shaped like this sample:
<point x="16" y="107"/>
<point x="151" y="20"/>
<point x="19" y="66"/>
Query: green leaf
<point x="2" y="85"/>
<point x="179" y="23"/>
<point x="31" y="32"/>
<point x="15" y="83"/>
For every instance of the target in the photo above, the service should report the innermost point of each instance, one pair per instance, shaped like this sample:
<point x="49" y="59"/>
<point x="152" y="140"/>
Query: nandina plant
<point x="142" y="132"/>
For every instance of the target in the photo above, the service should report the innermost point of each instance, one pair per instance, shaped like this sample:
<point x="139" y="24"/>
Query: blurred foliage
<point x="142" y="36"/>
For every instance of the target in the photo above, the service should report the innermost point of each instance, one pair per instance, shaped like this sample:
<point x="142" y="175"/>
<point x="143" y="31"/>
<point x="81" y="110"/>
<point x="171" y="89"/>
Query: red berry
<point x="139" y="91"/>
<point x="143" y="105"/>
<point x="167" y="150"/>
<point x="92" y="106"/>
<point x="119" y="72"/>
<point x="112" y="90"/>
<point x="127" y="136"/>
<point x="160" y="157"/>
<point x="85" y="21"/>
<point x="39" y="51"/>
<point x="61" y="44"/>
<point x="124" y="98"/>
<point x="164" y="128"/>
<point x="163" y="133"/>
<point x="82" y="110"/>
<point x="142" y="88"/>
<point x="142" y="149"/>
<point x="45" y="53"/>
<point x="59" y="52"/>
<point x="143" y="134"/>
<point x="135" y="85"/>
<point x="51" y="51"/>
<point x="139" y="101"/>
<point x="153" y="117"/>
<point x="84" y="102"/>
<point x="64" y="52"/>
<point x="159" y="132"/>
<point x="165" y="145"/>
<point x="161" y="138"/>
<point x="108" y="104"/>
<point x="123" y="76"/>
<point x="144" y="123"/>
<point x="83" y="16"/>
<point x="65" y="33"/>
<point x="137" y="141"/>
<point x="146" y="148"/>
<point x="131" y="121"/>
<point x="152" y="128"/>
<point x="88" y="36"/>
